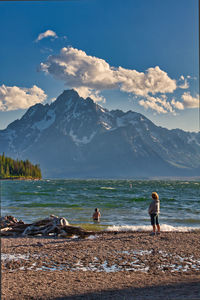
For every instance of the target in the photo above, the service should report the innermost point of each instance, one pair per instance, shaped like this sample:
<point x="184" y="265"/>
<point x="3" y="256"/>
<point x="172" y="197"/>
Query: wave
<point x="163" y="227"/>
<point x="107" y="188"/>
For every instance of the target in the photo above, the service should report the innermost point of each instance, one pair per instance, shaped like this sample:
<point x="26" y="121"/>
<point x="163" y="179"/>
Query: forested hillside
<point x="10" y="168"/>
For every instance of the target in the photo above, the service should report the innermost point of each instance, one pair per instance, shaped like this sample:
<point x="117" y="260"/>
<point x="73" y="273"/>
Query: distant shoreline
<point x="19" y="178"/>
<point x="193" y="178"/>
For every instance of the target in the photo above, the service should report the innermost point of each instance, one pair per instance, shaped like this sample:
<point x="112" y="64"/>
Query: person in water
<point x="154" y="210"/>
<point x="96" y="215"/>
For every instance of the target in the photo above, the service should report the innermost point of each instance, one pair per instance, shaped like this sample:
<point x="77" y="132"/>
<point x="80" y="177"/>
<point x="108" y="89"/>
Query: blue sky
<point x="139" y="55"/>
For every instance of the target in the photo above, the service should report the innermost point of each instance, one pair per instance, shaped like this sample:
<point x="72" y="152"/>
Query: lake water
<point x="123" y="203"/>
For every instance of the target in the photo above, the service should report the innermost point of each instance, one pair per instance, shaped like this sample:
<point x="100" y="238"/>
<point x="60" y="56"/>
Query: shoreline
<point x="20" y="178"/>
<point x="154" y="178"/>
<point x="109" y="265"/>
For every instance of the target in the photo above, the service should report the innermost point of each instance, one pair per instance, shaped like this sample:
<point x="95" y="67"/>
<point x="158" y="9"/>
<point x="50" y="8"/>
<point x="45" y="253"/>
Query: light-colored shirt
<point x="154" y="207"/>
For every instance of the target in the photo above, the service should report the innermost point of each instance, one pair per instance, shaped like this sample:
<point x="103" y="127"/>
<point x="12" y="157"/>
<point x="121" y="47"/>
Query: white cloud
<point x="177" y="104"/>
<point x="47" y="33"/>
<point x="189" y="101"/>
<point x="53" y="99"/>
<point x="153" y="105"/>
<point x="184" y="84"/>
<point x="94" y="94"/>
<point x="161" y="105"/>
<point x="158" y="104"/>
<point x="89" y="74"/>
<point x="13" y="97"/>
<point x="153" y="81"/>
<point x="78" y="69"/>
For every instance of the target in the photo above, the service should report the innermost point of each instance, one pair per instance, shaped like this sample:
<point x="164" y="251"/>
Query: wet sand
<point x="131" y="265"/>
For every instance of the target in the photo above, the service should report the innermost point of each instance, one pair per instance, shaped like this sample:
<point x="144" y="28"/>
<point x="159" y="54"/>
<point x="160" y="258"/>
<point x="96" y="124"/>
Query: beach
<point x="107" y="265"/>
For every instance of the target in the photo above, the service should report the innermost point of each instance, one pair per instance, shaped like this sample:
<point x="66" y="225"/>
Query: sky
<point x="139" y="55"/>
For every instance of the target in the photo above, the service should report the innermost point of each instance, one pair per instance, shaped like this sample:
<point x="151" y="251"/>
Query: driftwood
<point x="9" y="221"/>
<point x="53" y="225"/>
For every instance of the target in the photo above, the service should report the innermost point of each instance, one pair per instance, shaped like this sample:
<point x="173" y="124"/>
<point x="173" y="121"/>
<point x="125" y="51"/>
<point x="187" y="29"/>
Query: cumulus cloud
<point x="189" y="101"/>
<point x="47" y="33"/>
<point x="13" y="97"/>
<point x="161" y="105"/>
<point x="94" y="94"/>
<point x="78" y="69"/>
<point x="90" y="75"/>
<point x="158" y="104"/>
<point x="184" y="84"/>
<point x="153" y="81"/>
<point x="177" y="104"/>
<point x="153" y="105"/>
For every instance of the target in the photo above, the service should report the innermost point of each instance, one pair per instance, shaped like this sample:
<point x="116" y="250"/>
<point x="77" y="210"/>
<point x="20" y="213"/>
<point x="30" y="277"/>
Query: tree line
<point x="10" y="168"/>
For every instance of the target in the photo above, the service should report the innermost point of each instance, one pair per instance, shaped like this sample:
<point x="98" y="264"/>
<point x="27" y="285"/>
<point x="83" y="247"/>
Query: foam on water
<point x="164" y="227"/>
<point x="107" y="188"/>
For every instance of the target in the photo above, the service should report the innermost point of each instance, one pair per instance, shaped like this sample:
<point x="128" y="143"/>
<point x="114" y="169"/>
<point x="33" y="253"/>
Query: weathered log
<point x="76" y="230"/>
<point x="53" y="225"/>
<point x="9" y="221"/>
<point x="14" y="231"/>
<point x="50" y="225"/>
<point x="52" y="218"/>
<point x="8" y="231"/>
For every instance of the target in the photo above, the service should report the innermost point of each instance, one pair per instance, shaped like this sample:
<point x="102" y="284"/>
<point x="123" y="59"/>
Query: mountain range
<point x="76" y="138"/>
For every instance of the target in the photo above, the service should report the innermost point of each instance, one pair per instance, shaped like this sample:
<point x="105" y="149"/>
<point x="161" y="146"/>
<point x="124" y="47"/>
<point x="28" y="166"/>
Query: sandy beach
<point x="110" y="265"/>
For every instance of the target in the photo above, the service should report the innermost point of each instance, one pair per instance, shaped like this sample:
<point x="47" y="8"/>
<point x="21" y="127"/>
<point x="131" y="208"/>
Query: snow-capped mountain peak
<point x="77" y="137"/>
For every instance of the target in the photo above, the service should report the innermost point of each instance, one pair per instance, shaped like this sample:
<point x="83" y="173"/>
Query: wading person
<point x="96" y="215"/>
<point x="154" y="210"/>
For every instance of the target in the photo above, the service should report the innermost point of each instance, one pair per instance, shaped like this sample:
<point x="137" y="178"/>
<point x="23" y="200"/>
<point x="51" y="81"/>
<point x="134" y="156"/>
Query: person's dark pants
<point x="154" y="219"/>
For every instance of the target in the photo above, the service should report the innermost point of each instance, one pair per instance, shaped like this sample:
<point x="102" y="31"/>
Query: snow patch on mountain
<point x="123" y="121"/>
<point x="154" y="138"/>
<point x="46" y="122"/>
<point x="69" y="104"/>
<point x="11" y="135"/>
<point x="32" y="111"/>
<point x="73" y="121"/>
<point x="83" y="140"/>
<point x="106" y="121"/>
<point x="106" y="125"/>
<point x="126" y="119"/>
<point x="192" y="139"/>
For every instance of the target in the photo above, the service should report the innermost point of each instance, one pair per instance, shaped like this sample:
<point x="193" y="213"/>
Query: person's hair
<point x="155" y="196"/>
<point x="96" y="209"/>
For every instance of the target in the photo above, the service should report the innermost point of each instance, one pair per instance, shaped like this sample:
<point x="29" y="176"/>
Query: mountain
<point x="77" y="138"/>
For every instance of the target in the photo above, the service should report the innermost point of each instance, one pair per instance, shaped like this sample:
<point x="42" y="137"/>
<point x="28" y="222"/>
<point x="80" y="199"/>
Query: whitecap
<point x="107" y="188"/>
<point x="163" y="227"/>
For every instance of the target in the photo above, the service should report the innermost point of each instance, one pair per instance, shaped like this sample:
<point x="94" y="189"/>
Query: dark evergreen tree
<point x="10" y="168"/>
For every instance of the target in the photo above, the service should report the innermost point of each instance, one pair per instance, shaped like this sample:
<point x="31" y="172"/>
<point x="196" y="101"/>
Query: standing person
<point x="96" y="215"/>
<point x="154" y="210"/>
